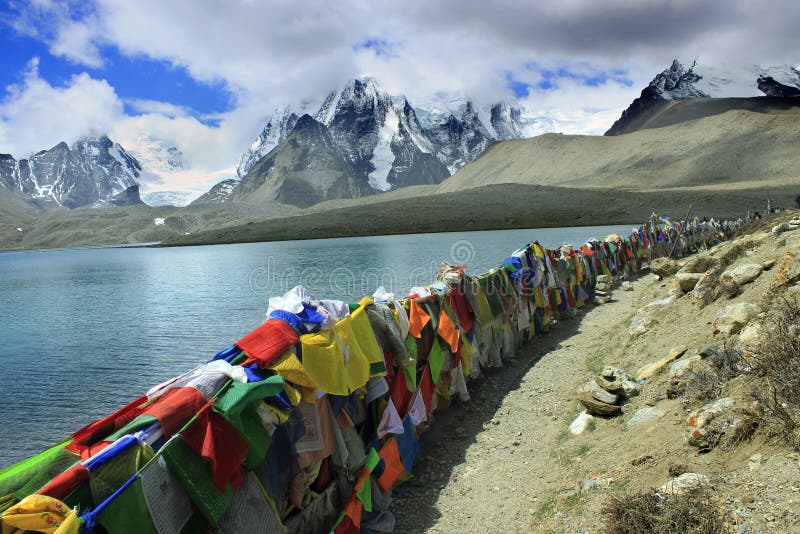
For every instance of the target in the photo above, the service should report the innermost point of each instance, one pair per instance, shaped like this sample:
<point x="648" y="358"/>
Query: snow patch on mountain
<point x="382" y="156"/>
<point x="168" y="198"/>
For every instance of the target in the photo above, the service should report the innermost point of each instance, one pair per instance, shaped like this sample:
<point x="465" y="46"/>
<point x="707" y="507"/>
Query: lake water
<point x="85" y="331"/>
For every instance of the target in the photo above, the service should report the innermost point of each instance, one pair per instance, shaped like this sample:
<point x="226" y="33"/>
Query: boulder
<point x="732" y="318"/>
<point x="683" y="372"/>
<point x="582" y="423"/>
<point x="778" y="229"/>
<point x="631" y="388"/>
<point x="751" y="335"/>
<point x="743" y="274"/>
<point x="604" y="279"/>
<point x="708" y="350"/>
<point x="788" y="270"/>
<point x="644" y="318"/>
<point x="687" y="281"/>
<point x="685" y="483"/>
<point x="705" y="288"/>
<point x="700" y="263"/>
<point x="663" y="267"/>
<point x="706" y="426"/>
<point x="654" y="368"/>
<point x="644" y="415"/>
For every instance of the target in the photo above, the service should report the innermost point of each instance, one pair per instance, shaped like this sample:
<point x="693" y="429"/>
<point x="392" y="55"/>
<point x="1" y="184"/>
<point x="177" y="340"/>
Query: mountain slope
<point x="738" y="148"/>
<point x="676" y="83"/>
<point x="92" y="172"/>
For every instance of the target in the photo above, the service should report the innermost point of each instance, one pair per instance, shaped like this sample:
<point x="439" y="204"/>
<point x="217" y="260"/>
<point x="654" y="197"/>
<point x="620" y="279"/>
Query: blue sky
<point x="204" y="75"/>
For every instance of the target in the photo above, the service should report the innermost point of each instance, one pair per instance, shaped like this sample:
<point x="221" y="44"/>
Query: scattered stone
<point x="644" y="415"/>
<point x="743" y="274"/>
<point x="640" y="324"/>
<point x="597" y="407"/>
<point x="688" y="281"/>
<point x="627" y="286"/>
<point x="654" y="368"/>
<point x="683" y="484"/>
<point x="599" y="393"/>
<point x="778" y="229"/>
<point x="581" y="423"/>
<point x="706" y="426"/>
<point x="700" y="263"/>
<point x="732" y="318"/>
<point x="768" y="264"/>
<point x="663" y="267"/>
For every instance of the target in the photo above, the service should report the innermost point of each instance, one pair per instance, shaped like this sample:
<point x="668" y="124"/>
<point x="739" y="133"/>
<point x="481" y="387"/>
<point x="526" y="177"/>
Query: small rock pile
<point x="605" y="394"/>
<point x="602" y="289"/>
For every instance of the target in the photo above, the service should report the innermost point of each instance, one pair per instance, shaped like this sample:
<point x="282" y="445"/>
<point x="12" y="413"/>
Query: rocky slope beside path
<point x="507" y="461"/>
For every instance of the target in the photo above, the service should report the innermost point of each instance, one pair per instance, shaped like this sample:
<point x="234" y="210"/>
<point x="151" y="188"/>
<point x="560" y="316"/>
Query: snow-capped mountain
<point x="384" y="141"/>
<point x="158" y="155"/>
<point x="168" y="198"/>
<point x="93" y="172"/>
<point x="709" y="81"/>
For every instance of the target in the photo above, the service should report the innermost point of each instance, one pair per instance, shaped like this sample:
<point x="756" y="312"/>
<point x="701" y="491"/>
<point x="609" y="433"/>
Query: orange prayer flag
<point x="394" y="465"/>
<point x="418" y="318"/>
<point x="448" y="331"/>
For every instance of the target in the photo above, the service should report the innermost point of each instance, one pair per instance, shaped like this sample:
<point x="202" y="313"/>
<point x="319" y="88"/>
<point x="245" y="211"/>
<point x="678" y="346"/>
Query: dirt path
<point x="488" y="465"/>
<point x="506" y="461"/>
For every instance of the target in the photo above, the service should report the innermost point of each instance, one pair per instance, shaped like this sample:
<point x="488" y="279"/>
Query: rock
<point x="643" y="415"/>
<point x="706" y="286"/>
<point x="663" y="267"/>
<point x="640" y="324"/>
<point x="683" y="484"/>
<point x="599" y="393"/>
<point x="676" y="470"/>
<point x="631" y="388"/>
<point x="778" y="229"/>
<point x="683" y="372"/>
<point x="700" y="263"/>
<point x="604" y="279"/>
<point x="627" y="286"/>
<point x="611" y="379"/>
<point x="751" y="335"/>
<point x="768" y="264"/>
<point x="597" y="407"/>
<point x="654" y="368"/>
<point x="788" y="270"/>
<point x="706" y="426"/>
<point x="743" y="274"/>
<point x="732" y="318"/>
<point x="582" y="423"/>
<point x="687" y="281"/>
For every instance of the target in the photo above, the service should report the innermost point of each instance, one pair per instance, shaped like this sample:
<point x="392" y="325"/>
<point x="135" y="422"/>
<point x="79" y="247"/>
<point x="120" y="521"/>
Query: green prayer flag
<point x="436" y="360"/>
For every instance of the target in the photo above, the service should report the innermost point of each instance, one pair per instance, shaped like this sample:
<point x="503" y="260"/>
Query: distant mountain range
<point x="679" y="83"/>
<point x="359" y="141"/>
<point x="93" y="172"/>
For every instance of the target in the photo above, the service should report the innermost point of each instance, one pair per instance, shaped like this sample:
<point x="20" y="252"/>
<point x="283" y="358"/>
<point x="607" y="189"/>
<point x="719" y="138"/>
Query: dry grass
<point x="776" y="364"/>
<point x="649" y="512"/>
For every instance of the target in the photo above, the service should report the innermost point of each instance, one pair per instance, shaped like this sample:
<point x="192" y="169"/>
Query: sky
<point x="204" y="75"/>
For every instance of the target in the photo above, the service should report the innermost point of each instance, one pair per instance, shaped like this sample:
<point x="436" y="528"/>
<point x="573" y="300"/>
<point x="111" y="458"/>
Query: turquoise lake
<point x="85" y="331"/>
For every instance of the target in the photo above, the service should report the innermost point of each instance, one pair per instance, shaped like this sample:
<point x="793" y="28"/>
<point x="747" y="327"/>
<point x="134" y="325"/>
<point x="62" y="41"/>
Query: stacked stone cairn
<point x="608" y="391"/>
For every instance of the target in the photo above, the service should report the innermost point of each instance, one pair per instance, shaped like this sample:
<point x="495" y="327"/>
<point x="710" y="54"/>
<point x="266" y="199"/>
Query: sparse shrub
<point x="650" y="512"/>
<point x="776" y="363"/>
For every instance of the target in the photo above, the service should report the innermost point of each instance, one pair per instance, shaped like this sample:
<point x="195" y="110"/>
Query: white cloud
<point x="280" y="52"/>
<point x="36" y="115"/>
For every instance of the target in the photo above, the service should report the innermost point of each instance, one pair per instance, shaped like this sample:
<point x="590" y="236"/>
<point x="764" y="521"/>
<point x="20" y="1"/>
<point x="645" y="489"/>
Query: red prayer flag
<point x="267" y="342"/>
